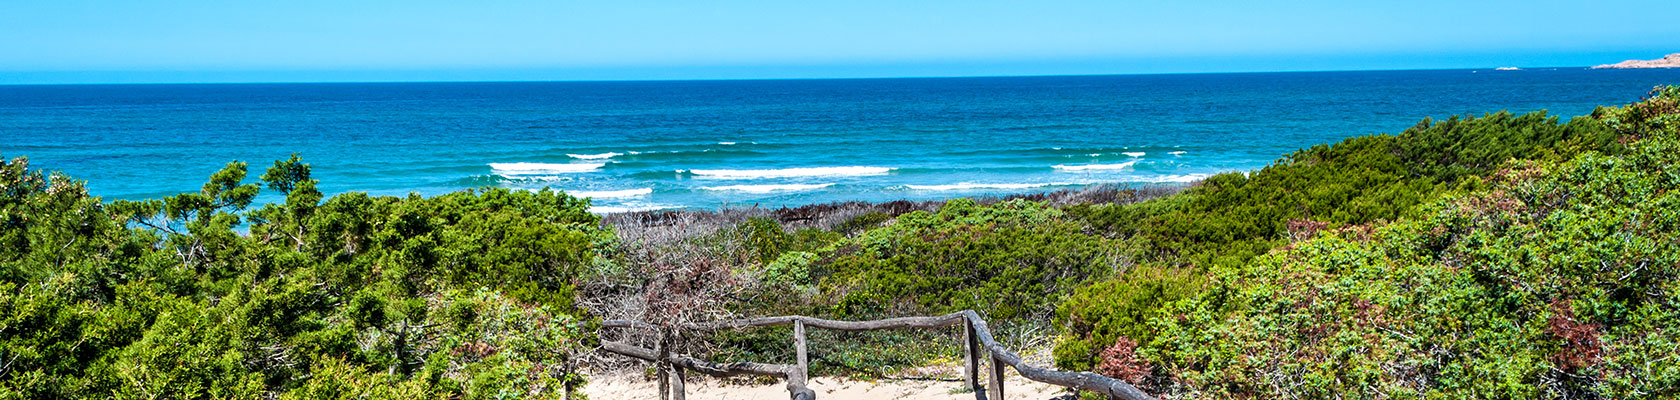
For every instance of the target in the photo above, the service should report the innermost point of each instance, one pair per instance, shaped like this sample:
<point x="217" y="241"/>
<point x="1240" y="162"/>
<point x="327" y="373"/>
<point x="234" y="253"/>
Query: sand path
<point x="636" y="387"/>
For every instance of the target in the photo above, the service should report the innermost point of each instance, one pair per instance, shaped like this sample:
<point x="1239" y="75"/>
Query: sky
<point x="146" y="41"/>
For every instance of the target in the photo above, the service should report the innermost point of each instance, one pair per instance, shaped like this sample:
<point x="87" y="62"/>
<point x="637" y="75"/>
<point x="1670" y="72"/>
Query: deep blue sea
<point x="705" y="144"/>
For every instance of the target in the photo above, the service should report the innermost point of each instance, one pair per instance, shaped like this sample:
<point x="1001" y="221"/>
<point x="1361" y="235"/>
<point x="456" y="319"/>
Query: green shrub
<point x="1556" y="281"/>
<point x="765" y="238"/>
<point x="862" y="222"/>
<point x="1233" y="217"/>
<point x="165" y="298"/>
<point x="1099" y="315"/>
<point x="791" y="269"/>
<point x="1015" y="258"/>
<point x="1229" y="219"/>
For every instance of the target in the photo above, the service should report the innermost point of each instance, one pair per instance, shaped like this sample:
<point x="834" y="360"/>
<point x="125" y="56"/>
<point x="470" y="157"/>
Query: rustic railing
<point x="976" y="337"/>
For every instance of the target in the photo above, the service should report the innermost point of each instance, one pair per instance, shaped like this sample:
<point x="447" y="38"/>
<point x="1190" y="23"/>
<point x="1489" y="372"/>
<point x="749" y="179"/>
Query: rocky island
<point x="1669" y="61"/>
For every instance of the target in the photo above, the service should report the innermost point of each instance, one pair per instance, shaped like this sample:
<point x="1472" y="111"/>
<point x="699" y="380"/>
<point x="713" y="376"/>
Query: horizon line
<point x="723" y="79"/>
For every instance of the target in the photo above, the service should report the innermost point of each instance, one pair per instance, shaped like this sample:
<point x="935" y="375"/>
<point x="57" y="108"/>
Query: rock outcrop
<point x="1670" y="61"/>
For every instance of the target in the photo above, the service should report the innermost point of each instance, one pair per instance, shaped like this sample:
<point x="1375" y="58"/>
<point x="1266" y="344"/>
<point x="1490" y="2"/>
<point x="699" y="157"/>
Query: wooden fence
<point x="978" y="345"/>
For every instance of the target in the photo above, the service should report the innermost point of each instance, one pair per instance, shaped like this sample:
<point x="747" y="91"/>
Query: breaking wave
<point x="601" y="156"/>
<point x="611" y="194"/>
<point x="526" y="169"/>
<point x="769" y="188"/>
<point x="787" y="172"/>
<point x="1094" y="167"/>
<point x="978" y="186"/>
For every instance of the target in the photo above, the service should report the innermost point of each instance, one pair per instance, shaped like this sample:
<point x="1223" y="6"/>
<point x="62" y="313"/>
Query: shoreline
<point x="832" y="213"/>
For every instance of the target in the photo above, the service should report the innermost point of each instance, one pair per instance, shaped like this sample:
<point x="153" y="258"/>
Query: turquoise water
<point x="704" y="144"/>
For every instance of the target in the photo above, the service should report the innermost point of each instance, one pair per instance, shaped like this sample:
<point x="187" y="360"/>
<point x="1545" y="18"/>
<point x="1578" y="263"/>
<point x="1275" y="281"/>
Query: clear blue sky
<point x="56" y="41"/>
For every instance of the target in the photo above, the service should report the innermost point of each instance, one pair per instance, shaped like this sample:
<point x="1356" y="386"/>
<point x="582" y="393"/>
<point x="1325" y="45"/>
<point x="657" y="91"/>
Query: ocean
<point x="768" y="143"/>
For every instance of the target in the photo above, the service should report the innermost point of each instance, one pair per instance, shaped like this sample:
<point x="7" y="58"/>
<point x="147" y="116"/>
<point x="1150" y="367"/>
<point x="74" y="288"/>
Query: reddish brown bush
<point x="477" y="350"/>
<point x="1121" y="361"/>
<point x="1581" y="344"/>
<point x="1302" y="229"/>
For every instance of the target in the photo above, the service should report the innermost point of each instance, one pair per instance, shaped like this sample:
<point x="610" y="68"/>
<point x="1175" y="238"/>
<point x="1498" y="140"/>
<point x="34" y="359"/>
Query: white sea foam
<point x="601" y="156"/>
<point x="1177" y="153"/>
<point x="539" y="178"/>
<point x="1134" y="153"/>
<point x="611" y="194"/>
<point x="629" y="208"/>
<point x="787" y="172"/>
<point x="727" y="143"/>
<point x="1176" y="178"/>
<point x="525" y="168"/>
<point x="634" y="152"/>
<point x="976" y="186"/>
<point x="1094" y="154"/>
<point x="1095" y="167"/>
<point x="769" y="188"/>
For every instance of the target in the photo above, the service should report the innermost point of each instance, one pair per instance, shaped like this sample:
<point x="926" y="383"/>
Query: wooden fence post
<point x="971" y="357"/>
<point x="678" y="392"/>
<point x="799" y="347"/>
<point x="661" y="372"/>
<point x="995" y="392"/>
<point x="663" y="375"/>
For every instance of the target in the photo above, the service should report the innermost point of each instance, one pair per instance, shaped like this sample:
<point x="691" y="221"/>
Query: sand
<point x="938" y="380"/>
<point x="637" y="387"/>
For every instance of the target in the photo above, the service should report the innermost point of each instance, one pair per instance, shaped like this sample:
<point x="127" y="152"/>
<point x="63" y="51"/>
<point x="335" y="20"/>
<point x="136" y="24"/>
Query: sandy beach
<point x="636" y="387"/>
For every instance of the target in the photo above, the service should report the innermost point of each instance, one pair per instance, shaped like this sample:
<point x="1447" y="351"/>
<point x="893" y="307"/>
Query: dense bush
<point x="462" y="295"/>
<point x="1556" y="281"/>
<point x="1014" y="258"/>
<point x="1099" y="315"/>
<point x="1231" y="218"/>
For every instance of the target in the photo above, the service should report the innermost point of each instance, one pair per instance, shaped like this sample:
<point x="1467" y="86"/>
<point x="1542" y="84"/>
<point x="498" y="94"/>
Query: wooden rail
<point x="976" y="338"/>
